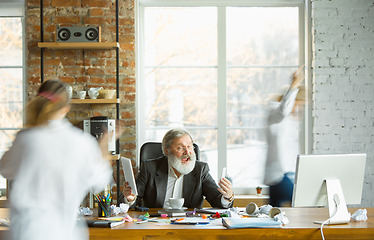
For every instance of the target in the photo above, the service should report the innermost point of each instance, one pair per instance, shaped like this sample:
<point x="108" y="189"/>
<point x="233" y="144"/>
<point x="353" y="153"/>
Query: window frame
<point x="16" y="9"/>
<point x="304" y="58"/>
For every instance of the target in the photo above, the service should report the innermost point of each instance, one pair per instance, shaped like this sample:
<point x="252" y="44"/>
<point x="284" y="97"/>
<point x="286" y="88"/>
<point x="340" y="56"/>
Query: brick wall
<point x="83" y="69"/>
<point x="343" y="69"/>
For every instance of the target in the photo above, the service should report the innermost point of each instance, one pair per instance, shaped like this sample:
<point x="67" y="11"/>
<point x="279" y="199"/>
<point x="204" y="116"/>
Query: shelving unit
<point x="80" y="45"/>
<point x="94" y="101"/>
<point x="114" y="157"/>
<point x="87" y="45"/>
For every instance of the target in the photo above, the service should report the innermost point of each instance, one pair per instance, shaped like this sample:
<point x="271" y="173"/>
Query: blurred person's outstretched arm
<point x="281" y="110"/>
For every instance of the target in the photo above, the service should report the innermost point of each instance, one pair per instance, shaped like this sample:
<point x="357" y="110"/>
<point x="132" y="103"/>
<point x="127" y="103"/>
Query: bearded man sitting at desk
<point x="177" y="174"/>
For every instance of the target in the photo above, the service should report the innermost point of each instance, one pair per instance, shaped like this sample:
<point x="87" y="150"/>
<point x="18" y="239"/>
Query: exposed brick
<point x="32" y="79"/>
<point x="67" y="79"/>
<point x="96" y="12"/>
<point x="66" y="3"/>
<point x="66" y="21"/>
<point x="95" y="71"/>
<point x="96" y="4"/>
<point x="127" y="115"/>
<point x="98" y="80"/>
<point x="52" y="62"/>
<point x="99" y="21"/>
<point x="126" y="21"/>
<point x="128" y="46"/>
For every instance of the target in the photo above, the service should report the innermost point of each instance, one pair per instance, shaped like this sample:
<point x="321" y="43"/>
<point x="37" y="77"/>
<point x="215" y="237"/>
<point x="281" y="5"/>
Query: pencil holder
<point x="103" y="209"/>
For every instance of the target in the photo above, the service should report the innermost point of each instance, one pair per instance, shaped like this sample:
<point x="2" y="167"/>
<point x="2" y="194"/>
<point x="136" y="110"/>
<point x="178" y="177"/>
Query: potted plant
<point x="259" y="190"/>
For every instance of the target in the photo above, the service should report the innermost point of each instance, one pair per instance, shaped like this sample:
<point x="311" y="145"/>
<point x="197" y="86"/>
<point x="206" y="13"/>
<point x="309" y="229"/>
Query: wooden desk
<point x="301" y="226"/>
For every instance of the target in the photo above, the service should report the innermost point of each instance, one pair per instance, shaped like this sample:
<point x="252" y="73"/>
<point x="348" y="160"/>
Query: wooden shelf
<point x="94" y="101"/>
<point x="114" y="157"/>
<point x="78" y="45"/>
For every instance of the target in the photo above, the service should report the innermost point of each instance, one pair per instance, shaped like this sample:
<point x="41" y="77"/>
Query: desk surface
<point x="301" y="226"/>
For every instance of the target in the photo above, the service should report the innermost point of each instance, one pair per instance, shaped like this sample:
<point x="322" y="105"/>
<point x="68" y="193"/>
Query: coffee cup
<point x="252" y="208"/>
<point x="93" y="93"/>
<point x="81" y="94"/>
<point x="175" y="203"/>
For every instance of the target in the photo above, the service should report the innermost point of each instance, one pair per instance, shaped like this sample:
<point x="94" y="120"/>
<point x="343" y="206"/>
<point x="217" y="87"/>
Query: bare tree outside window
<point x="11" y="82"/>
<point x="181" y="58"/>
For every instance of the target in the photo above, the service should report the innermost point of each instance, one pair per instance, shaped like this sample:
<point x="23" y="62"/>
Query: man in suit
<point x="178" y="174"/>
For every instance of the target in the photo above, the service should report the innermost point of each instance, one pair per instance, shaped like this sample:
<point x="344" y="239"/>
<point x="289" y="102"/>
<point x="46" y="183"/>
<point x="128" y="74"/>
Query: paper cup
<point x="252" y="208"/>
<point x="274" y="211"/>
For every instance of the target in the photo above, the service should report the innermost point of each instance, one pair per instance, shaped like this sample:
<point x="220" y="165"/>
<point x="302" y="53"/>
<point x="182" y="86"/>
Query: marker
<point x="163" y="215"/>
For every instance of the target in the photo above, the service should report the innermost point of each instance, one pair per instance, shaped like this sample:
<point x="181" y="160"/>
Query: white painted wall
<point x="343" y="76"/>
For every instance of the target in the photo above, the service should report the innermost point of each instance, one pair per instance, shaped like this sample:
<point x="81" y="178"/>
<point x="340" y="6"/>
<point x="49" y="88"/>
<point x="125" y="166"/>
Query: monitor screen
<point x="312" y="170"/>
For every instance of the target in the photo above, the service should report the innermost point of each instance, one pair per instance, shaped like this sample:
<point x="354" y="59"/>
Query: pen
<point x="163" y="215"/>
<point x="144" y="221"/>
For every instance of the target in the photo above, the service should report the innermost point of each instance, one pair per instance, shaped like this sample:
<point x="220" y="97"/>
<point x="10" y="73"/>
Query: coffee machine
<point x="97" y="126"/>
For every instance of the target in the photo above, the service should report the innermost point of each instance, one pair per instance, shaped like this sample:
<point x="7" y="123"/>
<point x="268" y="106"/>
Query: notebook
<point x="103" y="223"/>
<point x="233" y="223"/>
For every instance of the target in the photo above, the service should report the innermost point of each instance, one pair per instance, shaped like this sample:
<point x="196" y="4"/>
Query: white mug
<point x="175" y="203"/>
<point x="81" y="94"/>
<point x="93" y="93"/>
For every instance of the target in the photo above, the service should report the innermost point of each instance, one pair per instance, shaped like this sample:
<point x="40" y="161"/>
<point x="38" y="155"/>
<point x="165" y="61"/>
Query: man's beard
<point x="183" y="168"/>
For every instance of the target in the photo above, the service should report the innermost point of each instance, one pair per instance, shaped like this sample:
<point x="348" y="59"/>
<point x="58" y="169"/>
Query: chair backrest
<point x="152" y="150"/>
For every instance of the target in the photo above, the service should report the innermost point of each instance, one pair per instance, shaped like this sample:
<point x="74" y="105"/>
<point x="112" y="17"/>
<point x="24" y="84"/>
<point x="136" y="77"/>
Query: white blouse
<point x="53" y="168"/>
<point x="283" y="139"/>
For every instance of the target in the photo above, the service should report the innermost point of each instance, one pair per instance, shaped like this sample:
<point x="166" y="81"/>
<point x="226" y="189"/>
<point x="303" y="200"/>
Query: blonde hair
<point x="52" y="96"/>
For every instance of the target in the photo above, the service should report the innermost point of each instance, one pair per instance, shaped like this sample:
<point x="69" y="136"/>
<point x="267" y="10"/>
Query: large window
<point x="11" y="75"/>
<point x="211" y="69"/>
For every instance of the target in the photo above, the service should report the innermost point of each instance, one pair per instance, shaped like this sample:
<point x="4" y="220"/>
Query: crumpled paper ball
<point x="86" y="211"/>
<point x="265" y="209"/>
<point x="281" y="217"/>
<point x="123" y="208"/>
<point x="360" y="215"/>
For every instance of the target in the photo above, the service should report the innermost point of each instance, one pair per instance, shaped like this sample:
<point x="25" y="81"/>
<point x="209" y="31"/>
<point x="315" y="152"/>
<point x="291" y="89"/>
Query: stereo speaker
<point x="78" y="34"/>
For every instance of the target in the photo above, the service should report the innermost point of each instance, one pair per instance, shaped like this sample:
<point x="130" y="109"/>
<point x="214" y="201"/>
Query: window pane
<point x="246" y="157"/>
<point x="11" y="90"/>
<point x="181" y="36"/>
<point x="6" y="140"/>
<point x="181" y="97"/>
<point x="10" y="42"/>
<point x="248" y="90"/>
<point x="262" y="36"/>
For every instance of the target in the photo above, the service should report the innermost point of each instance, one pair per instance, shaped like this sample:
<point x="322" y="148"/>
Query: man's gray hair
<point x="171" y="135"/>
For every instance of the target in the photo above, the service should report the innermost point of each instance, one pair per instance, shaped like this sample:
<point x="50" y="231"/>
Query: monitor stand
<point x="338" y="210"/>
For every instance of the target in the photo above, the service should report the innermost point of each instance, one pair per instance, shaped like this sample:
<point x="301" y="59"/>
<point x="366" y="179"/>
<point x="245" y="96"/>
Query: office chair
<point x="152" y="150"/>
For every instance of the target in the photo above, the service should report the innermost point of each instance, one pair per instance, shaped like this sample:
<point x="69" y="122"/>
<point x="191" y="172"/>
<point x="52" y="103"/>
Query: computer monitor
<point x="333" y="180"/>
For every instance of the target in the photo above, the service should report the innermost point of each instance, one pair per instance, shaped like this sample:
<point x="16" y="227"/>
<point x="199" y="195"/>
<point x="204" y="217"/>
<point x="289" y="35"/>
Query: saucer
<point x="170" y="208"/>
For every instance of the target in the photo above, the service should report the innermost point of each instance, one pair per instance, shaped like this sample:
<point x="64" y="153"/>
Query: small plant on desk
<point x="259" y="190"/>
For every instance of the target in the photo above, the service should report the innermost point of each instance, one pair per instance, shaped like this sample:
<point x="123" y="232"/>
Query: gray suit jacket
<point x="152" y="180"/>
